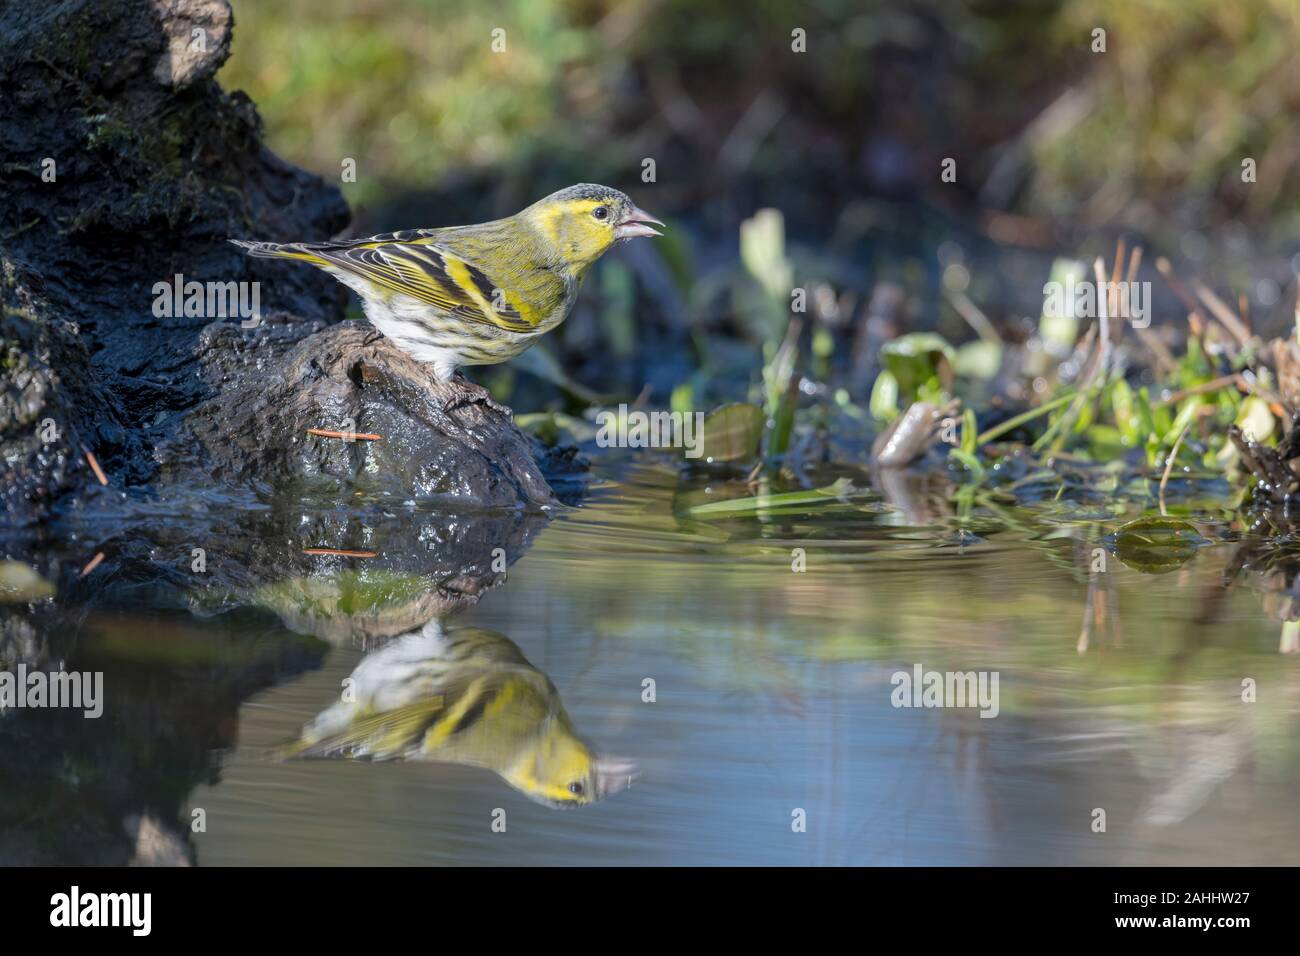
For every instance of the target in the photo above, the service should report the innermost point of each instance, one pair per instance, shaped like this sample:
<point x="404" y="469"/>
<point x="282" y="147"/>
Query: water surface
<point x="1119" y="690"/>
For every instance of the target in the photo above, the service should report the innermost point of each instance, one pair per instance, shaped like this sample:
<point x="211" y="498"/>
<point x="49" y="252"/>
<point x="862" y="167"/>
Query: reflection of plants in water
<point x="1158" y="690"/>
<point x="1011" y="594"/>
<point x="1272" y="567"/>
<point x="464" y="696"/>
<point x="1156" y="545"/>
<point x="347" y="592"/>
<point x="361" y="575"/>
<point x="351" y="604"/>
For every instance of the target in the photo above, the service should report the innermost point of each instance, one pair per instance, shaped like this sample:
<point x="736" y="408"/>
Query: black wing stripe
<point x="431" y="262"/>
<point x="483" y="284"/>
<point x="472" y="715"/>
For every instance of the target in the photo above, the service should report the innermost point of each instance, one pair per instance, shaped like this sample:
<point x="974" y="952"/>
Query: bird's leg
<point x="467" y="393"/>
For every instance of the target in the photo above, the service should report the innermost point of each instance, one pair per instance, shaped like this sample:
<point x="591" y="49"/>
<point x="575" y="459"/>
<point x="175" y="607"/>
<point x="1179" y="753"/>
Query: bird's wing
<point x="415" y="264"/>
<point x="379" y="736"/>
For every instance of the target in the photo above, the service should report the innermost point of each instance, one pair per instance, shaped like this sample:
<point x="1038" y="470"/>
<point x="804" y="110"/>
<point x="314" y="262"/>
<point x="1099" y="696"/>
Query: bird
<point x="464" y="696"/>
<point x="477" y="295"/>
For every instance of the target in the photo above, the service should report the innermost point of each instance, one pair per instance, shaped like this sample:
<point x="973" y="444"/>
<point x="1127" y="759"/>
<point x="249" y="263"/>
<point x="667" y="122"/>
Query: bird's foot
<point x="467" y="393"/>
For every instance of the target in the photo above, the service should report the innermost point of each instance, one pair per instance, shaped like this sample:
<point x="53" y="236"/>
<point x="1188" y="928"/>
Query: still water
<point x="645" y="628"/>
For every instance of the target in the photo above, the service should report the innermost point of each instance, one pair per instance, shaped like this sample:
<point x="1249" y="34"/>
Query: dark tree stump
<point x="122" y="165"/>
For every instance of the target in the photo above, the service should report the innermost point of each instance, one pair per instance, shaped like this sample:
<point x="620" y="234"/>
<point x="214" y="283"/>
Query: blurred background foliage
<point x="1058" y="148"/>
<point x="1038" y="122"/>
<point x="1197" y="86"/>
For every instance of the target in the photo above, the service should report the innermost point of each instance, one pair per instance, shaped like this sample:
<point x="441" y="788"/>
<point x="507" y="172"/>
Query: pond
<point x="737" y="673"/>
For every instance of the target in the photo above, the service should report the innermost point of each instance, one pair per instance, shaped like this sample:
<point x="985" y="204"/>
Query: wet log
<point x="348" y="379"/>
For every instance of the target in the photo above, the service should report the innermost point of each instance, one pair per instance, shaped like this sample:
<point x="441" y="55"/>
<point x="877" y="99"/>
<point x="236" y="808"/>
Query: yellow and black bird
<point x="477" y="295"/>
<point x="464" y="696"/>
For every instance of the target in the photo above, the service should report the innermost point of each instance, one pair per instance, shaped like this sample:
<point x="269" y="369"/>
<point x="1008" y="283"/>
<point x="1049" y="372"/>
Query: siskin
<point x="477" y="295"/>
<point x="467" y="696"/>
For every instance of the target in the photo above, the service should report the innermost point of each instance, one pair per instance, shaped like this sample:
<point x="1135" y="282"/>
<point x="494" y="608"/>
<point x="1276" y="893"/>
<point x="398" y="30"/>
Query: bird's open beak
<point x="633" y="224"/>
<point x="614" y="774"/>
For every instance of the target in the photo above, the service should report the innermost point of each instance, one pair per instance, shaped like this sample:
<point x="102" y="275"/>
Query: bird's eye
<point x="601" y="212"/>
<point x="575" y="788"/>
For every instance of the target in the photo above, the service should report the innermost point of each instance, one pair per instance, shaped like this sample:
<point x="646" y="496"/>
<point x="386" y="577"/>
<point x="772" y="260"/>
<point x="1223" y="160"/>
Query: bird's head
<point x="560" y="770"/>
<point x="583" y="221"/>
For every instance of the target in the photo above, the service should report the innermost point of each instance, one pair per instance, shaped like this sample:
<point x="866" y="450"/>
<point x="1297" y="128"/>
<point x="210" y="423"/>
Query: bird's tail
<point x="279" y="250"/>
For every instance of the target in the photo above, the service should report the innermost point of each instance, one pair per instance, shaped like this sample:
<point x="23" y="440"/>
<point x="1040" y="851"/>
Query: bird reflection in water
<point x="464" y="696"/>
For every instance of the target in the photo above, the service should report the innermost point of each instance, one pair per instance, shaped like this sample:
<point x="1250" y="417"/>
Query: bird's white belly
<point x="405" y="321"/>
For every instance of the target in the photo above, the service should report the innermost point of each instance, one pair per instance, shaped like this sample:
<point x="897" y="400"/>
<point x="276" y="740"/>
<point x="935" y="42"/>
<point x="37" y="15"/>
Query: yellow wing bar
<point x="432" y="275"/>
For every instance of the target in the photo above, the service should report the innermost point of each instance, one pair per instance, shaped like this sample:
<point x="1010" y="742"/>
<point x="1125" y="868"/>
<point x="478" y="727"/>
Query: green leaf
<point x="20" y="584"/>
<point x="884" y="397"/>
<point x="969" y="432"/>
<point x="762" y="250"/>
<point x="683" y="398"/>
<point x="1123" y="408"/>
<point x="1185" y="416"/>
<point x="1156" y="545"/>
<point x="740" y="506"/>
<point x="783" y="421"/>
<point x="970" y="462"/>
<point x="979" y="360"/>
<point x="917" y="361"/>
<point x="1058" y="326"/>
<point x="733" y="432"/>
<point x="1255" y="419"/>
